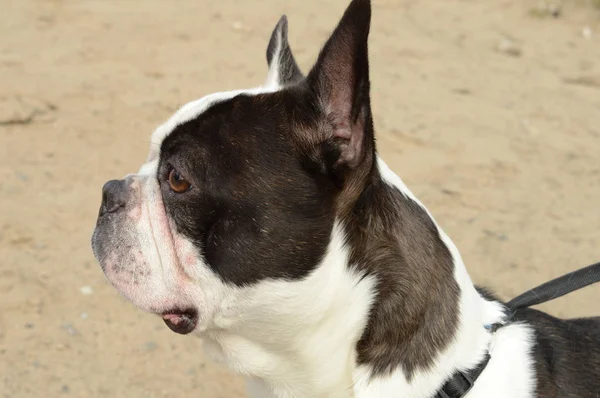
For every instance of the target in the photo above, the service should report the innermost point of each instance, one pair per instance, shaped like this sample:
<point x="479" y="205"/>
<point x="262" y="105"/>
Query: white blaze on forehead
<point x="190" y="111"/>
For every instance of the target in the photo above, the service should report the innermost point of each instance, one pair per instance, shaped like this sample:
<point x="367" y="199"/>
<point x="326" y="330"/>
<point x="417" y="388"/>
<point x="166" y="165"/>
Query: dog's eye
<point x="177" y="183"/>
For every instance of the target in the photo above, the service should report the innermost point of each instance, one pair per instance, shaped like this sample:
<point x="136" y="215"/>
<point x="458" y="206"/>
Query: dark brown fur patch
<point x="415" y="315"/>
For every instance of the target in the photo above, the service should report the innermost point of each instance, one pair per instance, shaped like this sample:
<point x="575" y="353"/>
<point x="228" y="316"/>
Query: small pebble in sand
<point x="550" y="8"/>
<point x="509" y="47"/>
<point x="546" y="9"/>
<point x="150" y="346"/>
<point x="587" y="32"/>
<point x="70" y="329"/>
<point x="86" y="290"/>
<point x="84" y="315"/>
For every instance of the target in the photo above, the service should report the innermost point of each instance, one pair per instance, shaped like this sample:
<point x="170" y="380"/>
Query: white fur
<point x="297" y="338"/>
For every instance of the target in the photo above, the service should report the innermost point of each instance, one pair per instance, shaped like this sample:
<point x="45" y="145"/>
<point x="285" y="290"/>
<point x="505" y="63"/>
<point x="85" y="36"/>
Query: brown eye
<point x="177" y="182"/>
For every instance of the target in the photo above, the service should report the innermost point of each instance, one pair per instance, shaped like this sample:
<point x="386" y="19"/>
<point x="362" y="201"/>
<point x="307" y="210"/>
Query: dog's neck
<point x="391" y="311"/>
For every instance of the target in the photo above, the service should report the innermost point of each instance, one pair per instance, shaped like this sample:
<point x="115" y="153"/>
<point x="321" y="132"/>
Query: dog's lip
<point x="181" y="321"/>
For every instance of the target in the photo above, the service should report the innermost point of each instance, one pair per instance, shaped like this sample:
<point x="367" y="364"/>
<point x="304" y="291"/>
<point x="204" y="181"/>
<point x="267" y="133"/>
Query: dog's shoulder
<point x="566" y="353"/>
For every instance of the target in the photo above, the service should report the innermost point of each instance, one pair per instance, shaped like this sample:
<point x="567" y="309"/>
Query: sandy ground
<point x="489" y="110"/>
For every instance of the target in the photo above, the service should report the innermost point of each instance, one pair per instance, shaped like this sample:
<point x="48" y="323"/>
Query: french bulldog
<point x="265" y="222"/>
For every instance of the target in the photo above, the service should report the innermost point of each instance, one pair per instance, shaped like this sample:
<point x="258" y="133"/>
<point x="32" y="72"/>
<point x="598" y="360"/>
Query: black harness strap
<point x="461" y="382"/>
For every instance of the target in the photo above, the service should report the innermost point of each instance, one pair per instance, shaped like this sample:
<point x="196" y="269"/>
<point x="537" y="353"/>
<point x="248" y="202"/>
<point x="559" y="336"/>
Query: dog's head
<point x="243" y="187"/>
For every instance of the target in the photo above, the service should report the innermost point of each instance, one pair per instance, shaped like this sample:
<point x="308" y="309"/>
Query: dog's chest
<point x="510" y="373"/>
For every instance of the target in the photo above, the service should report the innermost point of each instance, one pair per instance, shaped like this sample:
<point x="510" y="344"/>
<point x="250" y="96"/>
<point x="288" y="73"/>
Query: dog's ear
<point x="283" y="69"/>
<point x="340" y="82"/>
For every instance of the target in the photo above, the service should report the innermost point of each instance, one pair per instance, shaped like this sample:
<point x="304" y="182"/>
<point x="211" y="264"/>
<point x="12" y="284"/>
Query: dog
<point x="265" y="222"/>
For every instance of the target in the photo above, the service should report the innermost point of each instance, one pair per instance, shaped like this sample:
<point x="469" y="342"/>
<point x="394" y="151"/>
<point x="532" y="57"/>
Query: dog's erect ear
<point x="283" y="69"/>
<point x="340" y="81"/>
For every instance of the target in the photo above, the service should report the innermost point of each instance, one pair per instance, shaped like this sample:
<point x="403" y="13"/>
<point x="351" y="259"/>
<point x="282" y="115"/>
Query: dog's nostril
<point x="113" y="196"/>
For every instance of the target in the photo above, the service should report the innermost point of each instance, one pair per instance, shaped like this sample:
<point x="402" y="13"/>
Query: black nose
<point x="113" y="196"/>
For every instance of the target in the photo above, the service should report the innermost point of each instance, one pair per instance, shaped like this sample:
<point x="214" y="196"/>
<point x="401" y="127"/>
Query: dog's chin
<point x="181" y="321"/>
<point x="180" y="318"/>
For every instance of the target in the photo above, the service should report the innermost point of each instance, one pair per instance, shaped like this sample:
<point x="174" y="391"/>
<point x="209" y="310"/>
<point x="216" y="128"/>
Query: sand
<point x="489" y="110"/>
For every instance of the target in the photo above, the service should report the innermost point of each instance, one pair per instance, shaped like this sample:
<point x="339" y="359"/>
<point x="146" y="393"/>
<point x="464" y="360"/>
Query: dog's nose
<point x="113" y="196"/>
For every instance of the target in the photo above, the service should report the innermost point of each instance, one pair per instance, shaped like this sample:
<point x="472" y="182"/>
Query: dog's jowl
<point x="264" y="221"/>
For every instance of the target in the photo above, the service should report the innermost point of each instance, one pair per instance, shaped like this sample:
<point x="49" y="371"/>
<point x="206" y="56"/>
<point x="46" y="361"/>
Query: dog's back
<point x="566" y="354"/>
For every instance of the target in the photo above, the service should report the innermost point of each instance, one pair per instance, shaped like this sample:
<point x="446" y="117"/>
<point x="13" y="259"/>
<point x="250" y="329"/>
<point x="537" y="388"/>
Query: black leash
<point x="461" y="382"/>
<point x="556" y="288"/>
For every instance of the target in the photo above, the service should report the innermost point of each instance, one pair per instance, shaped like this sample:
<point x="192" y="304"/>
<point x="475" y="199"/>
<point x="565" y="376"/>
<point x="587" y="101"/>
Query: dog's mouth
<point x="182" y="322"/>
